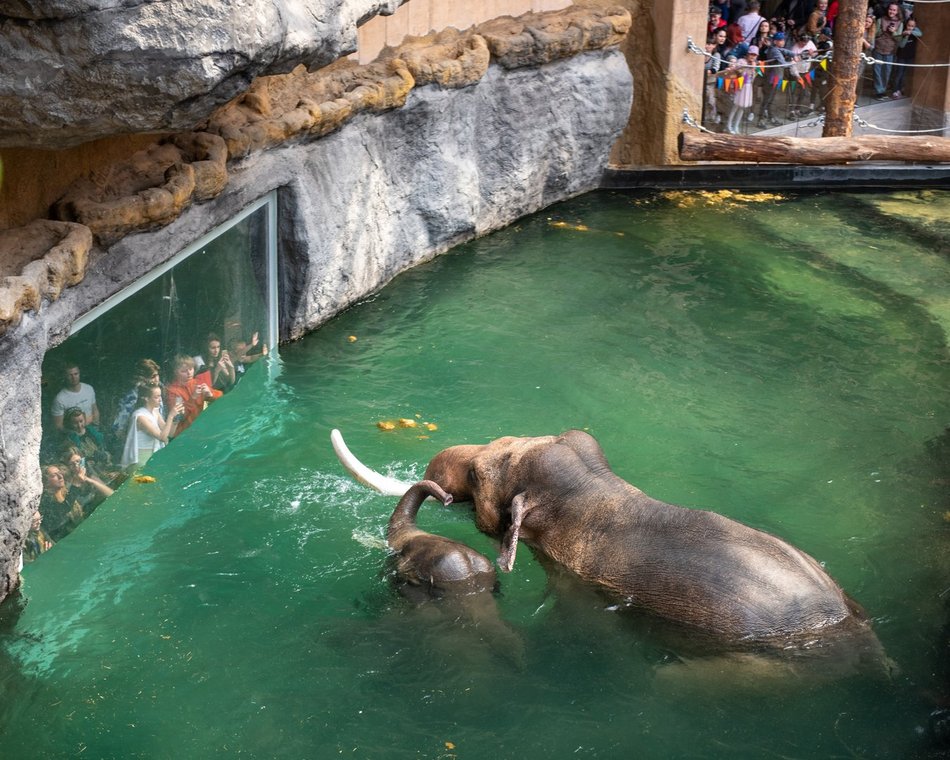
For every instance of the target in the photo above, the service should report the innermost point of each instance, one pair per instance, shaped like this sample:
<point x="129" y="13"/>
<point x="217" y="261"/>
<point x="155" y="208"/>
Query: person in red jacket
<point x="195" y="392"/>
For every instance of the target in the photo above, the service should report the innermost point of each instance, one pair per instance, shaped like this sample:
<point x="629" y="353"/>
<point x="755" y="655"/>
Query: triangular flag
<point x="784" y="84"/>
<point x="824" y="63"/>
<point x="719" y="82"/>
<point x="739" y="82"/>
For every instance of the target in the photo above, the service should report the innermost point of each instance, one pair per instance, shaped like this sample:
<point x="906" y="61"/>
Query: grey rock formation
<point x="76" y="70"/>
<point x="400" y="187"/>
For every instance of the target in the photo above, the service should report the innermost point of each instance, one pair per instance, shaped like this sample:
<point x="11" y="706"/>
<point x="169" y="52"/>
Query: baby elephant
<point x="436" y="564"/>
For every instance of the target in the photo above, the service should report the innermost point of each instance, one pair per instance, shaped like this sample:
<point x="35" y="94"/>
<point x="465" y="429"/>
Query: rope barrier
<point x="867" y="125"/>
<point x="693" y="48"/>
<point x="819" y="121"/>
<point x="687" y="119"/>
<point x="868" y="59"/>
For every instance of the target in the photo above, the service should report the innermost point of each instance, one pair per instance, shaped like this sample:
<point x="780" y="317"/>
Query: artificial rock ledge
<point x="155" y="185"/>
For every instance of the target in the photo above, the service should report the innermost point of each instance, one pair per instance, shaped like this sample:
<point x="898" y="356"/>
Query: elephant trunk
<point x="403" y="520"/>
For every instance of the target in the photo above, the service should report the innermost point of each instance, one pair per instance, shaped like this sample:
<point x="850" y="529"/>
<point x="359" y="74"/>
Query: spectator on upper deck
<point x="887" y="33"/>
<point x="749" y="22"/>
<point x="906" y="53"/>
<point x="817" y="19"/>
<point x="722" y="47"/>
<point x="778" y="62"/>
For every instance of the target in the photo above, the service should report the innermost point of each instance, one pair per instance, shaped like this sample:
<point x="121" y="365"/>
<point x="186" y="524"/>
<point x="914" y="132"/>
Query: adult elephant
<point x="692" y="567"/>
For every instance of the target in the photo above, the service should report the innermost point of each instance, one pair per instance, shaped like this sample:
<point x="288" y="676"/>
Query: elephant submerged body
<point x="693" y="568"/>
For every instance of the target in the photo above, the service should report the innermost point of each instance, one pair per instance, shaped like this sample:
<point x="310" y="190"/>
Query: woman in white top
<point x="148" y="430"/>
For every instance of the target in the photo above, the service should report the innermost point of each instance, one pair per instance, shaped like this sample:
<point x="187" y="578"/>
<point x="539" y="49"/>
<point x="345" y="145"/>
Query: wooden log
<point x="813" y="151"/>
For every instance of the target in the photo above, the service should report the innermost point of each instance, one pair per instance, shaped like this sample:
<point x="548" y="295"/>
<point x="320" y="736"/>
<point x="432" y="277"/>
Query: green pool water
<point x="783" y="362"/>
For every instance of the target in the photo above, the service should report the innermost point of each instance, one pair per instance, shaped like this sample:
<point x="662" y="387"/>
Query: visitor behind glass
<point x="82" y="484"/>
<point x="74" y="393"/>
<point x="89" y="441"/>
<point x="146" y="374"/>
<point x="60" y="514"/>
<point x="37" y="541"/>
<point x="245" y="352"/>
<point x="194" y="392"/>
<point x="219" y="364"/>
<point x="149" y="430"/>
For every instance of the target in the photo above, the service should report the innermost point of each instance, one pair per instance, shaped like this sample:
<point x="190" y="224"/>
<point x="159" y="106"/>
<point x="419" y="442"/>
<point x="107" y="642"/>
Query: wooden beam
<point x="812" y="150"/>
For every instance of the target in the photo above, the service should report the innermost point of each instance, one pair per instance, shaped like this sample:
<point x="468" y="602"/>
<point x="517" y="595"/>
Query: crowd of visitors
<point x="751" y="58"/>
<point x="82" y="464"/>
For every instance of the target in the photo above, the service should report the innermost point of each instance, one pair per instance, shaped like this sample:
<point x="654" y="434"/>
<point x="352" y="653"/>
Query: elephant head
<point x="508" y="477"/>
<point x="439" y="564"/>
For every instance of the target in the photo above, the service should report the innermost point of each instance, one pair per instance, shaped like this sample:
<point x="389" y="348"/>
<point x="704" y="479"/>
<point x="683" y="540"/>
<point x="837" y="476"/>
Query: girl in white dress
<point x="742" y="96"/>
<point x="148" y="430"/>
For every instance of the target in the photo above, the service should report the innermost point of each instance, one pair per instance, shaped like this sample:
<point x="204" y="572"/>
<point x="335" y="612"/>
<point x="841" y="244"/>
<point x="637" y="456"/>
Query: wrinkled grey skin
<point x="437" y="564"/>
<point x="692" y="567"/>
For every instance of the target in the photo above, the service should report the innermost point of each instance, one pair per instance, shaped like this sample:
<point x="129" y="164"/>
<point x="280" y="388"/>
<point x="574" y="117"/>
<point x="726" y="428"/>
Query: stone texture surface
<point x="76" y="70"/>
<point x="155" y="185"/>
<point x="148" y="190"/>
<point x="39" y="260"/>
<point x="388" y="189"/>
<point x="543" y="37"/>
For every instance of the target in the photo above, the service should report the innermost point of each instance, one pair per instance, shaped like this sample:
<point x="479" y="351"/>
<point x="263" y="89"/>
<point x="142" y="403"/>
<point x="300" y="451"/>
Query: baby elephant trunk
<point x="404" y="516"/>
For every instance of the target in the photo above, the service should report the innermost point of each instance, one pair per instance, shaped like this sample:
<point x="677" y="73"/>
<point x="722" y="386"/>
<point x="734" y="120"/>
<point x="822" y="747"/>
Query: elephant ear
<point x="509" y="544"/>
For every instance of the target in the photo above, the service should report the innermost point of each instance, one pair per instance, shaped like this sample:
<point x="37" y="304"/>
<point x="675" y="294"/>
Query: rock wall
<point x="384" y="192"/>
<point x="160" y="65"/>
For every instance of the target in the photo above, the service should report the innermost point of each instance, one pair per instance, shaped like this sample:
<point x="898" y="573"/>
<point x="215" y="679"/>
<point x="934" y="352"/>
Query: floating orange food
<point x="405" y="422"/>
<point x="569" y="226"/>
<point x="351" y="338"/>
<point x="144" y="479"/>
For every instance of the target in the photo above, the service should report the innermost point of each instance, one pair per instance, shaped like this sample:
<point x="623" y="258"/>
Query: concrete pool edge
<point x="777" y="177"/>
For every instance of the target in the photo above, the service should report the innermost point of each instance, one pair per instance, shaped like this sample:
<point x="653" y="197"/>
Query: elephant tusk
<point x="362" y="473"/>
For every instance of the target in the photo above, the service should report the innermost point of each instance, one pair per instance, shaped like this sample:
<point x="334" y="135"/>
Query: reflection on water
<point x="783" y="363"/>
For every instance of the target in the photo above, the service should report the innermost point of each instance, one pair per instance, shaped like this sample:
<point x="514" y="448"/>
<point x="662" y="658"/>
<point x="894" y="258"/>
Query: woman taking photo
<point x="194" y="392"/>
<point x="148" y="429"/>
<point x="82" y="484"/>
